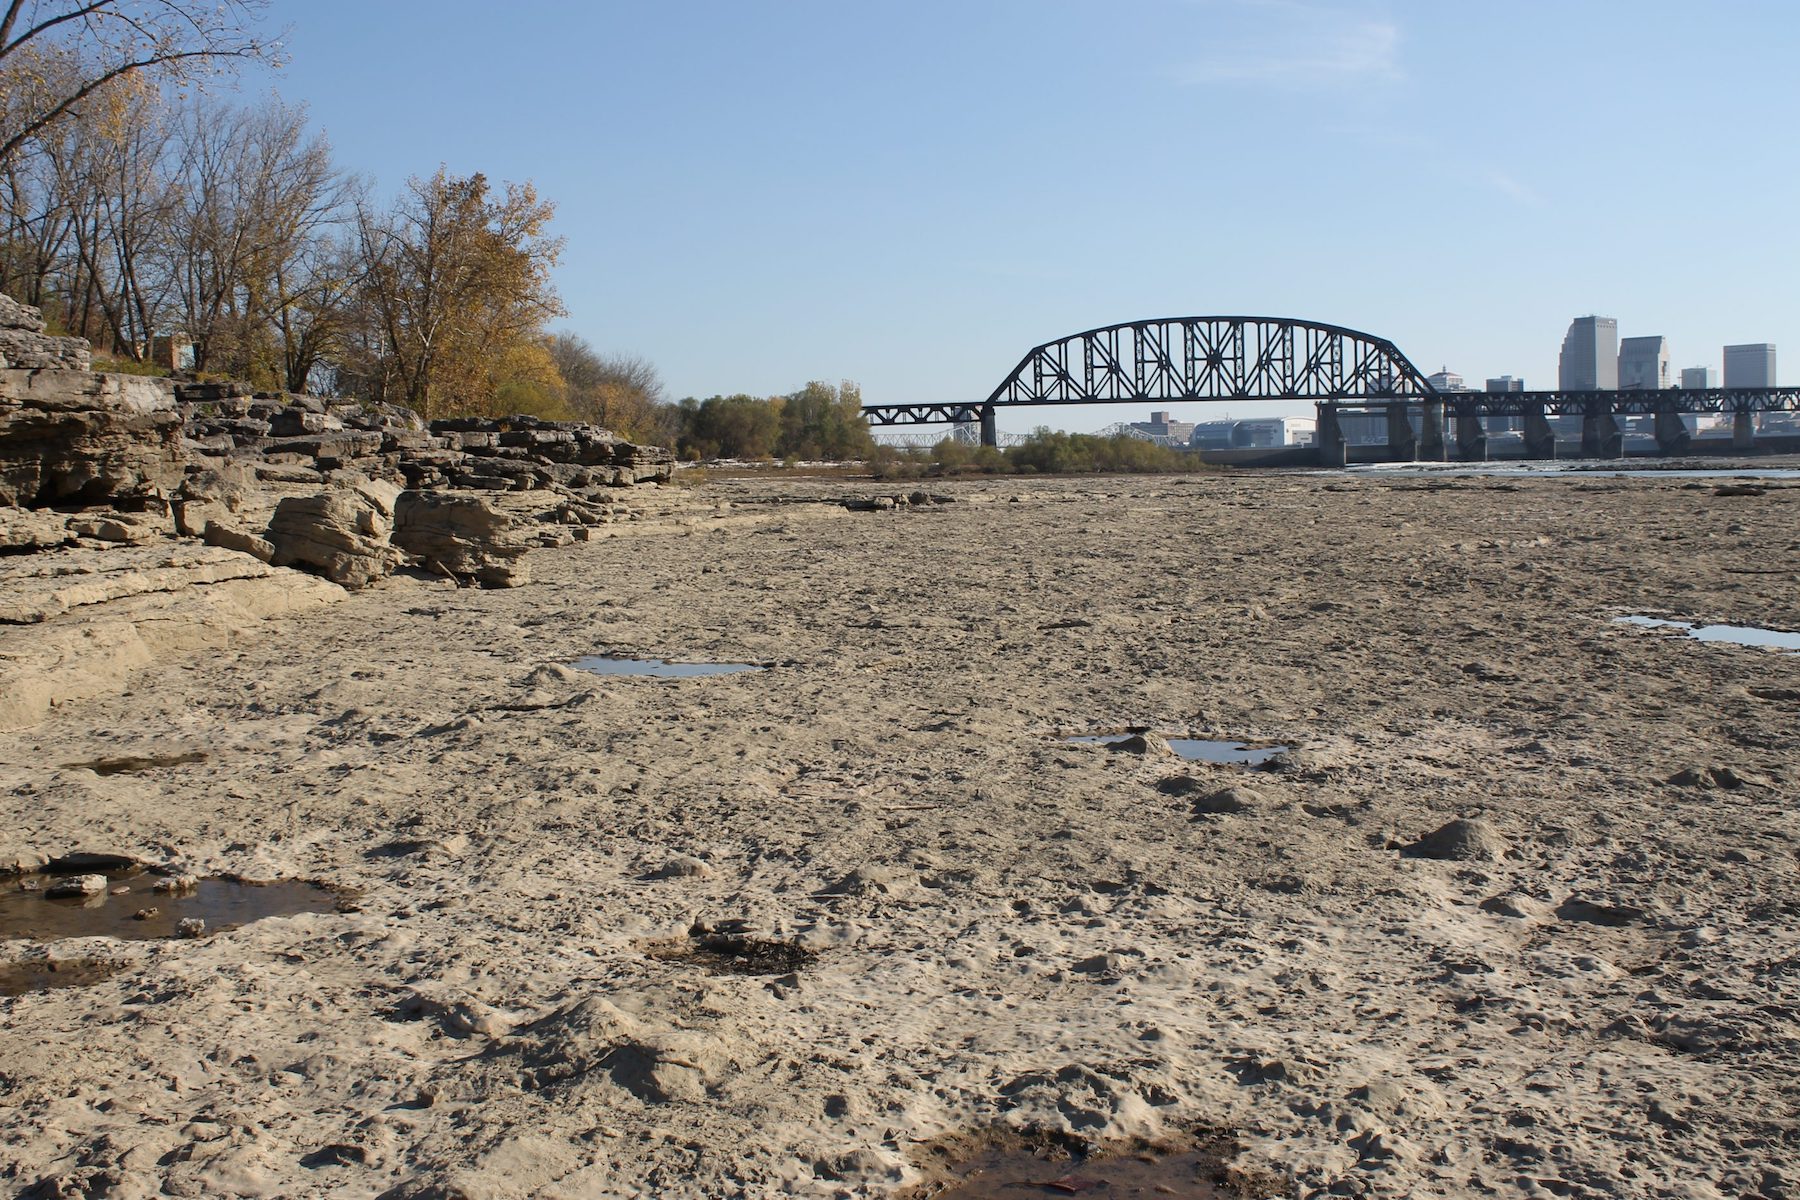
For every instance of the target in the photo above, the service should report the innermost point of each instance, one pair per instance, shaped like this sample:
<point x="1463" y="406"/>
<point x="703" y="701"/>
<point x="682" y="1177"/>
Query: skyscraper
<point x="1590" y="356"/>
<point x="1698" y="379"/>
<point x="1750" y="366"/>
<point x="1505" y="383"/>
<point x="1643" y="363"/>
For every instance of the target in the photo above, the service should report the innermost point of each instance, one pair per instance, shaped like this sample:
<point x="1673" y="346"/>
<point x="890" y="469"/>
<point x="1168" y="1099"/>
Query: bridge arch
<point x="1177" y="359"/>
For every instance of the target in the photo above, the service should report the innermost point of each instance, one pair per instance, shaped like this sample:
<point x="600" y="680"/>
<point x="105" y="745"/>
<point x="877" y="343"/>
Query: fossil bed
<point x="1602" y="999"/>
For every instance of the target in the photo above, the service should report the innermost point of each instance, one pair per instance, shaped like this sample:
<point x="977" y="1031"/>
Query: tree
<point x="455" y="279"/>
<point x="822" y="421"/>
<point x="731" y="426"/>
<point x="57" y="54"/>
<point x="621" y="392"/>
<point x="257" y="194"/>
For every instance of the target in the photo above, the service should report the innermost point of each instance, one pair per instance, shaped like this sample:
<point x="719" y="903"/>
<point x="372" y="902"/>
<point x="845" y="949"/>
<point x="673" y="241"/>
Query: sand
<point x="1003" y="929"/>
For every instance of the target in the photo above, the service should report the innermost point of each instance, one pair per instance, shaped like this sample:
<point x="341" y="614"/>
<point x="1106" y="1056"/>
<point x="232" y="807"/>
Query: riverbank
<point x="987" y="925"/>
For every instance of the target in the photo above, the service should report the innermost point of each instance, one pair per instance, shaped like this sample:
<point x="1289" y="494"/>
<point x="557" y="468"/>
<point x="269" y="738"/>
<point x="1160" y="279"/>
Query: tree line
<point x="143" y="214"/>
<point x="230" y="229"/>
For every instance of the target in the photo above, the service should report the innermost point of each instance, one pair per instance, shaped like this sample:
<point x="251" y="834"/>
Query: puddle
<point x="1222" y="752"/>
<point x="135" y="764"/>
<point x="1737" y="635"/>
<point x="656" y="668"/>
<point x="728" y="954"/>
<point x="1018" y="1169"/>
<point x="27" y="913"/>
<point x="18" y="978"/>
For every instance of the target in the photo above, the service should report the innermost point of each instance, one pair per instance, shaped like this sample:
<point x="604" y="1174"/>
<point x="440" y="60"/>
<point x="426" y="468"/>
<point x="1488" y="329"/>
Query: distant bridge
<point x="1185" y="359"/>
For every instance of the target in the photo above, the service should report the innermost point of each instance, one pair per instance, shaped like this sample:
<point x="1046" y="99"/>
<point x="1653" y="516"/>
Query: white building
<point x="1447" y="380"/>
<point x="1254" y="433"/>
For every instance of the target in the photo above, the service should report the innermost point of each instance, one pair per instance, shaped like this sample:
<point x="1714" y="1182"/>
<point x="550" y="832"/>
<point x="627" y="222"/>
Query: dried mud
<point x="1005" y="931"/>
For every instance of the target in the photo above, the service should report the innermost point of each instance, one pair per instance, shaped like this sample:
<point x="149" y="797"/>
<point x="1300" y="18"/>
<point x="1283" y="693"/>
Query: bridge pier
<point x="1600" y="434"/>
<point x="1333" y="450"/>
<point x="1403" y="444"/>
<point x="1672" y="436"/>
<point x="1471" y="437"/>
<point x="990" y="433"/>
<point x="1743" y="430"/>
<point x="1432" y="447"/>
<point x="1540" y="439"/>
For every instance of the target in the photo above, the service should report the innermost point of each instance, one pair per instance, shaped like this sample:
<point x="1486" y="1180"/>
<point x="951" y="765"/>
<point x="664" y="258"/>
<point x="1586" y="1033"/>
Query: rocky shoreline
<point x="122" y="496"/>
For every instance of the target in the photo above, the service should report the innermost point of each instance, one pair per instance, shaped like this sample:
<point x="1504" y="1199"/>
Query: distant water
<point x="1581" y="468"/>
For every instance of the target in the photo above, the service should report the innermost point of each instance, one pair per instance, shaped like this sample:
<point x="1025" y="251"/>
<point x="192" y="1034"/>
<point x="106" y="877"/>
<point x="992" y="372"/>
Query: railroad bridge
<point x="1341" y="371"/>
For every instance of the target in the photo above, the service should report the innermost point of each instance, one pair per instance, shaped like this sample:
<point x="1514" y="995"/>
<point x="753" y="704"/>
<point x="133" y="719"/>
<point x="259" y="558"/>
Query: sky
<point x="913" y="194"/>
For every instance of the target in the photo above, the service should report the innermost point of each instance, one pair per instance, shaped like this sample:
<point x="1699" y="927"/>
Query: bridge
<point x="1343" y="372"/>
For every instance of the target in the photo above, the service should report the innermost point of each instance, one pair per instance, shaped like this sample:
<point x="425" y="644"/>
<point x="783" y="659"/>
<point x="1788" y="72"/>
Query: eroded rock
<point x="464" y="536"/>
<point x="340" y="535"/>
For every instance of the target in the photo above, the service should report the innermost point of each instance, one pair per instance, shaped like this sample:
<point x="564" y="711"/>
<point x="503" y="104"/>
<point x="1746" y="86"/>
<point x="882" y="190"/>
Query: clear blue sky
<point x="913" y="194"/>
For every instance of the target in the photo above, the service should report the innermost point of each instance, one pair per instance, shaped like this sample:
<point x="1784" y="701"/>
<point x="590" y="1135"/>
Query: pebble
<point x="77" y="885"/>
<point x="191" y="927"/>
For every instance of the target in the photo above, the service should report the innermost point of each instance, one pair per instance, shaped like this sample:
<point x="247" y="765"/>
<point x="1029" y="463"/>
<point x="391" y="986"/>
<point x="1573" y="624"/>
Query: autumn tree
<point x="252" y="261"/>
<point x="456" y="278"/>
<point x="57" y="55"/>
<point x="621" y="392"/>
<point x="107" y="171"/>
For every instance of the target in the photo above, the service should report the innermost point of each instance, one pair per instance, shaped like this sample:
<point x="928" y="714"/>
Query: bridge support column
<point x="1743" y="430"/>
<point x="1600" y="434"/>
<point x="1333" y="450"/>
<point x="1432" y="447"/>
<point x="1471" y="438"/>
<point x="1540" y="439"/>
<point x="1403" y="445"/>
<point x="1672" y="436"/>
<point x="990" y="434"/>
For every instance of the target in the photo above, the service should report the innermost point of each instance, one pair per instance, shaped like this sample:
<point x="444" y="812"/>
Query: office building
<point x="1750" y="366"/>
<point x="1590" y="356"/>
<point x="1505" y="383"/>
<point x="1447" y="380"/>
<point x="1699" y="379"/>
<point x="1163" y="428"/>
<point x="1643" y="364"/>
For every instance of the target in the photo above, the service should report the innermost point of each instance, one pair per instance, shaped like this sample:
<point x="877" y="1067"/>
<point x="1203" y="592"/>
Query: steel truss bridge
<point x="1342" y="371"/>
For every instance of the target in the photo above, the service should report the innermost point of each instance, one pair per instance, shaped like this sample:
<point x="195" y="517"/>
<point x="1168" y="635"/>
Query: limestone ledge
<point x="74" y="625"/>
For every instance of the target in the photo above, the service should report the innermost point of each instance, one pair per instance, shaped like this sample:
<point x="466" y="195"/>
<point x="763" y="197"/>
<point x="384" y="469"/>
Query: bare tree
<point x="257" y="196"/>
<point x="57" y="54"/>
<point x="109" y="174"/>
<point x="619" y="391"/>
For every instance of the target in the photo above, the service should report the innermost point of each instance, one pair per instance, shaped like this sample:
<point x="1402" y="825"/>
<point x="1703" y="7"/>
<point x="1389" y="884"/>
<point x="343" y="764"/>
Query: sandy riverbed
<point x="1010" y="930"/>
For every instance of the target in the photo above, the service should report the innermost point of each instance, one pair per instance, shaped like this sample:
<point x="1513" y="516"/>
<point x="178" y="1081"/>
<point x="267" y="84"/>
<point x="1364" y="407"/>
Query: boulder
<point x="25" y="346"/>
<point x="341" y="535"/>
<point x="463" y="535"/>
<point x="72" y="437"/>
